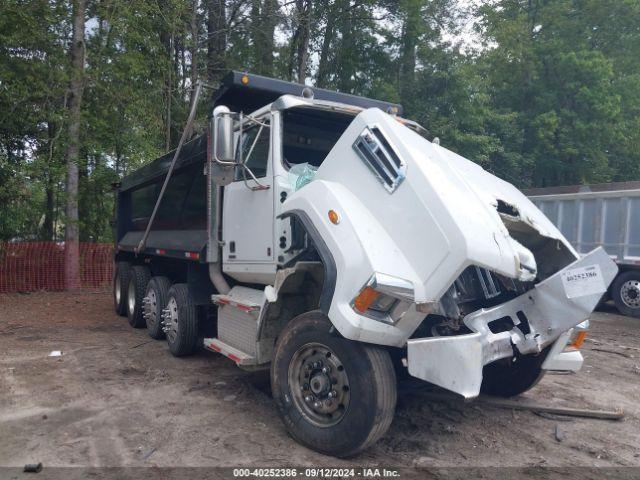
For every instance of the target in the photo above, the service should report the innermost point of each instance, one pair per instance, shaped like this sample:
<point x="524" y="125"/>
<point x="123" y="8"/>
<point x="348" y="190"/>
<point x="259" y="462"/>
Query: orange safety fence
<point x="35" y="266"/>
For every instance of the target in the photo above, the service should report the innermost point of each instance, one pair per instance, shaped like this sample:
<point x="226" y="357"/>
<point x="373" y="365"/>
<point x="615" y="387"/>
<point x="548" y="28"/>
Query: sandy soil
<point x="117" y="398"/>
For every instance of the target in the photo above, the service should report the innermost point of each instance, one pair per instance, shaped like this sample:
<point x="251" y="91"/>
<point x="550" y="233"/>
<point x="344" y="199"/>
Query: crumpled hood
<point x="490" y="189"/>
<point x="444" y="215"/>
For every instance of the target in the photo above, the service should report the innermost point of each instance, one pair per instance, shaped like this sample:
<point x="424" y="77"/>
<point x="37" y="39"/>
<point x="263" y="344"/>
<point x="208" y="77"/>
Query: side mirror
<point x="223" y="144"/>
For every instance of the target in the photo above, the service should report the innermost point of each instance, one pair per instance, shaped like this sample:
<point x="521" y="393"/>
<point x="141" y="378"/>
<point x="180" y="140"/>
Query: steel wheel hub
<point x="630" y="293"/>
<point x="150" y="307"/>
<point x="170" y="320"/>
<point x="319" y="384"/>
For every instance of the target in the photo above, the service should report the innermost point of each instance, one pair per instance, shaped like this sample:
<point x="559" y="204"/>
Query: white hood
<point x="444" y="215"/>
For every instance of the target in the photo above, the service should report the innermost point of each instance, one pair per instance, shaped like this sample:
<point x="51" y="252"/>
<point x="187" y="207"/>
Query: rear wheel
<point x="180" y="321"/>
<point x="510" y="377"/>
<point x="140" y="276"/>
<point x="626" y="293"/>
<point x="154" y="302"/>
<point x="121" y="277"/>
<point x="335" y="396"/>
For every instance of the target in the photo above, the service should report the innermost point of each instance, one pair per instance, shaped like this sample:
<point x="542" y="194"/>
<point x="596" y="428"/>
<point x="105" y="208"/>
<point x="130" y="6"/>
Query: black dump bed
<point x="181" y="222"/>
<point x="180" y="227"/>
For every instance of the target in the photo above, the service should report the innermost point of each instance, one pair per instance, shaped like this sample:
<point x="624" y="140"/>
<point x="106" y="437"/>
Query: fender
<point x="358" y="247"/>
<point x="330" y="273"/>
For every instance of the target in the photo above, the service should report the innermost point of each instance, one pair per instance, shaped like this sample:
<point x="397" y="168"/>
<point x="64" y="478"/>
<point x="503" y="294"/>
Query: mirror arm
<point x="253" y="145"/>
<point x="261" y="186"/>
<point x="256" y="121"/>
<point x="243" y="164"/>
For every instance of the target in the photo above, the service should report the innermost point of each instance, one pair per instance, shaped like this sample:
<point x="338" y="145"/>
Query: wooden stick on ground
<point x="513" y="404"/>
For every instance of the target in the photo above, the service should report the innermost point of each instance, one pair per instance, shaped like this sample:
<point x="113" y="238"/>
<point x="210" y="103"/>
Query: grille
<point x="376" y="152"/>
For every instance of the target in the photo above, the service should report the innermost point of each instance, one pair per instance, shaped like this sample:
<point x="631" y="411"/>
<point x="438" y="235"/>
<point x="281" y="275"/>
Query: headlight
<point x="384" y="298"/>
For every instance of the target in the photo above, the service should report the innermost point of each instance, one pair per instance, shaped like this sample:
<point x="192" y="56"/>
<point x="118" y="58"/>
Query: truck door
<point x="247" y="218"/>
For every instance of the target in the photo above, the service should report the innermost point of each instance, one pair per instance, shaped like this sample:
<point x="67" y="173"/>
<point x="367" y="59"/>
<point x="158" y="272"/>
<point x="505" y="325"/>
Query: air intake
<point x="380" y="157"/>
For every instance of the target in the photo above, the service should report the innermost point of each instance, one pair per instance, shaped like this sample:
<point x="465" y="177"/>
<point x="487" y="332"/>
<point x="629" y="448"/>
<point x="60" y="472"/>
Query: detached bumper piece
<point x="551" y="309"/>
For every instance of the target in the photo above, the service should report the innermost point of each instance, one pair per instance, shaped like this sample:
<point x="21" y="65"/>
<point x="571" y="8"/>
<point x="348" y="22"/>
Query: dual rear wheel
<point x="166" y="310"/>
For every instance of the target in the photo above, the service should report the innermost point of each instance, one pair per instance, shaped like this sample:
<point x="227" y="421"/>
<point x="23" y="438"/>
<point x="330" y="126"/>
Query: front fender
<point x="359" y="247"/>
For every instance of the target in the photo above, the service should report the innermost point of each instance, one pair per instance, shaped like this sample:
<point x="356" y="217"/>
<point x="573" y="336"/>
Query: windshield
<point x="309" y="134"/>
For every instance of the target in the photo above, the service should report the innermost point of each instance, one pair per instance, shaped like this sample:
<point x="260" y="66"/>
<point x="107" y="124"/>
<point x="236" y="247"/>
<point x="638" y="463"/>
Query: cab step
<point x="241" y="358"/>
<point x="246" y="299"/>
<point x="245" y="306"/>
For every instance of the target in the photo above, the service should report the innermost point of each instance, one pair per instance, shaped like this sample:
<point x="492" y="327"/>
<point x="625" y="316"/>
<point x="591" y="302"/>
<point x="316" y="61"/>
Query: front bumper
<point x="551" y="309"/>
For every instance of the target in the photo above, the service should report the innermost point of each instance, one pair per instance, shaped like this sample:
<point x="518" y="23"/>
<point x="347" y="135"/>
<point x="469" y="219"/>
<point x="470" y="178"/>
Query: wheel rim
<point x="150" y="308"/>
<point x="630" y="293"/>
<point x="319" y="384"/>
<point x="116" y="289"/>
<point x="131" y="298"/>
<point x="171" y="320"/>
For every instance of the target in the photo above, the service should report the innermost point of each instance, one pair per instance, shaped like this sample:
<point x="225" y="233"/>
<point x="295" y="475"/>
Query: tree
<point x="550" y="93"/>
<point x="547" y="69"/>
<point x="72" y="234"/>
<point x="299" y="56"/>
<point x="216" y="39"/>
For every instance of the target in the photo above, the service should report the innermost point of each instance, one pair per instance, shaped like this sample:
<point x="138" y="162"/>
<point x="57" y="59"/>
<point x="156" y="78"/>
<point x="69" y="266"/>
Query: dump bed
<point x="181" y="223"/>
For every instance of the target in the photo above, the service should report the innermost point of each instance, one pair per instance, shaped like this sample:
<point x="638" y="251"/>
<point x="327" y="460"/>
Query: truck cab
<point x="337" y="244"/>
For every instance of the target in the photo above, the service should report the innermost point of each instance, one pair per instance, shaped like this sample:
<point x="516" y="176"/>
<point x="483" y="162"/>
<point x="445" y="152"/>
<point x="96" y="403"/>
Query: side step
<point x="241" y="358"/>
<point x="247" y="305"/>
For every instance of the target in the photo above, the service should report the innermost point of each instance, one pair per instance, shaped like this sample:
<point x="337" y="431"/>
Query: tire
<point x="138" y="281"/>
<point x="121" y="276"/>
<point x="507" y="378"/>
<point x="181" y="321"/>
<point x="626" y="293"/>
<point x="353" y="403"/>
<point x="155" y="301"/>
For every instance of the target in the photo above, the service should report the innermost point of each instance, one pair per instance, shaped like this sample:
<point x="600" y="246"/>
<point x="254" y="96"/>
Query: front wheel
<point x="334" y="396"/>
<point x="512" y="376"/>
<point x="626" y="293"/>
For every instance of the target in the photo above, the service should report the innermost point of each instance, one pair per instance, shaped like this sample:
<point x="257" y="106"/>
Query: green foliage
<point x="548" y="94"/>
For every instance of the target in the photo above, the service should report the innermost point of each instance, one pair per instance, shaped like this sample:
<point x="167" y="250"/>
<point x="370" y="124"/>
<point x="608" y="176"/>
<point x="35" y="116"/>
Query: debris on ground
<point x="33" y="467"/>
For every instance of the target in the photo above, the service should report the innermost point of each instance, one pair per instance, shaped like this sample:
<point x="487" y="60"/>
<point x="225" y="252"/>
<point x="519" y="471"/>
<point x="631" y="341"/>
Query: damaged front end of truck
<point x="539" y="319"/>
<point x="436" y="255"/>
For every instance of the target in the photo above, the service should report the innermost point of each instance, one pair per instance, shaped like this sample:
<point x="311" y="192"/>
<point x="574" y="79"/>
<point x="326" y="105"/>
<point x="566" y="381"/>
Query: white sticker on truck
<point x="583" y="281"/>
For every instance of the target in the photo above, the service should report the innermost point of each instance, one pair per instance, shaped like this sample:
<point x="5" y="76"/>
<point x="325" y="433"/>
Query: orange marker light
<point x="334" y="217"/>
<point x="577" y="343"/>
<point x="245" y="79"/>
<point x="364" y="299"/>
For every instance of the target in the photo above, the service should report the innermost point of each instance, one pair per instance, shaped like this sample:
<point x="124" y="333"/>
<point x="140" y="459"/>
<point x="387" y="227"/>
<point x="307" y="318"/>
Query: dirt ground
<point x="117" y="398"/>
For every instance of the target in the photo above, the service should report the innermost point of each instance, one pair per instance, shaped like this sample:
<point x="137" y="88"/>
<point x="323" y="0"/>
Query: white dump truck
<point x="323" y="236"/>
<point x="603" y="215"/>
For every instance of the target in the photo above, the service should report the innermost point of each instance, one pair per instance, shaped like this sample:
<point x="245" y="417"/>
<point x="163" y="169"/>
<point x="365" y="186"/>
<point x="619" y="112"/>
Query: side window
<point x="255" y="151"/>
